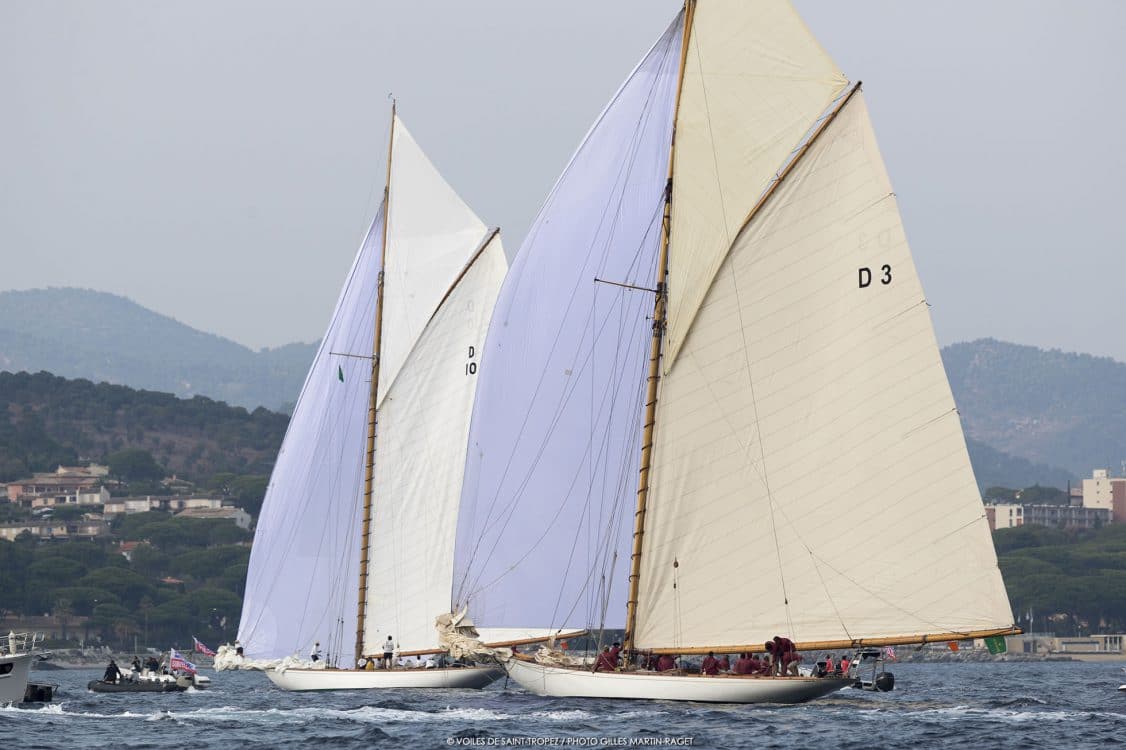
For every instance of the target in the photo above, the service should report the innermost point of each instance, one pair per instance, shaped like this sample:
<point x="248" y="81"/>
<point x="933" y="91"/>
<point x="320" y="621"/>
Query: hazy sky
<point x="218" y="162"/>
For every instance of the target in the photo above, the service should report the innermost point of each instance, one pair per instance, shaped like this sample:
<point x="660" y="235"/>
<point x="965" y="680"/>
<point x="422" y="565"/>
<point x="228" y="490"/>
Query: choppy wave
<point x="941" y="706"/>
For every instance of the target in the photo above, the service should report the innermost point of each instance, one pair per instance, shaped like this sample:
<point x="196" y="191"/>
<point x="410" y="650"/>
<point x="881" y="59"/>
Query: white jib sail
<point x="811" y="477"/>
<point x="422" y="431"/>
<point x="754" y="80"/>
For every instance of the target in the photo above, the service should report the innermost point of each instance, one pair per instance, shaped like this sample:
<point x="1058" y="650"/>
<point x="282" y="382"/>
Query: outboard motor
<point x="885" y="682"/>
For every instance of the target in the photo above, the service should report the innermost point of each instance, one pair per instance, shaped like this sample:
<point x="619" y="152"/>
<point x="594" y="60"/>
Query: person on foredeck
<point x="710" y="665"/>
<point x="315" y="654"/>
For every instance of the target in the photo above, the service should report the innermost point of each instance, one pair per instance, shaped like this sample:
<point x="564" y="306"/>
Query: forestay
<point x="549" y="487"/>
<point x="301" y="582"/>
<point x="755" y="78"/>
<point x="811" y="477"/>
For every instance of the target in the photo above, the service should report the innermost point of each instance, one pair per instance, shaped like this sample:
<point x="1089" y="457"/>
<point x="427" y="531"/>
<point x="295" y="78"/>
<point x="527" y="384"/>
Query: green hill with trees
<point x="1065" y="582"/>
<point x="47" y="420"/>
<point x="185" y="578"/>
<point x="80" y="333"/>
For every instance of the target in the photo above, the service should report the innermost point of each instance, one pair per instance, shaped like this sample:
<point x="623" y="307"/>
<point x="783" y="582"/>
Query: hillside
<point x="46" y="420"/>
<point x="1050" y="407"/>
<point x="996" y="469"/>
<point x="80" y="333"/>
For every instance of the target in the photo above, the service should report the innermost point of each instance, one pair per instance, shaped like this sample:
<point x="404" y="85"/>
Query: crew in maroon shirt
<point x="710" y="665"/>
<point x="607" y="661"/>
<point x="666" y="662"/>
<point x="785" y="656"/>
<point x="743" y="664"/>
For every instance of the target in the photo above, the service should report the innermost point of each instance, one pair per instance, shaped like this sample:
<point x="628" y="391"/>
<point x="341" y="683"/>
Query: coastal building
<point x="172" y="504"/>
<point x="1004" y="515"/>
<point x="1067" y="516"/>
<point x="1107" y="492"/>
<point x="239" y="516"/>
<point x="1098" y="647"/>
<point x="67" y="485"/>
<point x="49" y="529"/>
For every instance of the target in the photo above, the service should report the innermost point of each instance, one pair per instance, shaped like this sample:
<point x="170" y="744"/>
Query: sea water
<point x="993" y="705"/>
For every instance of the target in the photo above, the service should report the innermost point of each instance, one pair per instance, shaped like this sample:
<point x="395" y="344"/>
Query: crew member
<point x="710" y="665"/>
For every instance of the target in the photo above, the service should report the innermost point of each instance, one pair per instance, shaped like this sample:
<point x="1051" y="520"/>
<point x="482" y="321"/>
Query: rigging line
<point x="761" y="468"/>
<point x="599" y="458"/>
<point x="560" y="410"/>
<point x="566" y="396"/>
<point x="641" y="120"/>
<point x="711" y="142"/>
<point x="607" y="551"/>
<point x="558" y="512"/>
<point x="828" y="594"/>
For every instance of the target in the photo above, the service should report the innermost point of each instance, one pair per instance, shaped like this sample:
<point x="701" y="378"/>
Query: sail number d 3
<point x="471" y="365"/>
<point x="866" y="275"/>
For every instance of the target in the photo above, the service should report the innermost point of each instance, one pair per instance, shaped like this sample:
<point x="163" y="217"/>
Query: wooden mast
<point x="660" y="309"/>
<point x="369" y="464"/>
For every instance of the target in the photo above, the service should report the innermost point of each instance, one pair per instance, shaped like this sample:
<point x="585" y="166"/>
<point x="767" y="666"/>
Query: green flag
<point x="996" y="644"/>
<point x="340" y="373"/>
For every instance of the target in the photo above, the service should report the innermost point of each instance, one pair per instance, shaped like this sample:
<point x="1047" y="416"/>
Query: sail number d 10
<point x="866" y="275"/>
<point x="471" y="365"/>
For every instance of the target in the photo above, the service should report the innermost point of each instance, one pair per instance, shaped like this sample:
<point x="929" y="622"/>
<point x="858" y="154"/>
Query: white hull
<point x="358" y="679"/>
<point x="13" y="684"/>
<point x="559" y="682"/>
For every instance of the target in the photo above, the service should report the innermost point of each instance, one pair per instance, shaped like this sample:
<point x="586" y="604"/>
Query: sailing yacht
<point x="718" y="308"/>
<point x="355" y="540"/>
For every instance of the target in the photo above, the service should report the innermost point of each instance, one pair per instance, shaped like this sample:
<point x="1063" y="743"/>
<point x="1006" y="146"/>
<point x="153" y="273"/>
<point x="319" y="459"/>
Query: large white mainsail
<point x="795" y="393"/>
<point x="442" y="269"/>
<point x="802" y="404"/>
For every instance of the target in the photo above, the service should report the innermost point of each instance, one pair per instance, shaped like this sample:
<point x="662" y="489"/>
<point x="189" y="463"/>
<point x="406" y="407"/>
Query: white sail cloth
<point x="301" y="582"/>
<point x="302" y="585"/>
<point x="553" y="447"/>
<point x="755" y="78"/>
<point x="810" y="475"/>
<point x="431" y="234"/>
<point x="423" y="427"/>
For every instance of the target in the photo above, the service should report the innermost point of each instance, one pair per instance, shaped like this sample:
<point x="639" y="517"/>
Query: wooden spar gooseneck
<point x="369" y="464"/>
<point x="660" y="309"/>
